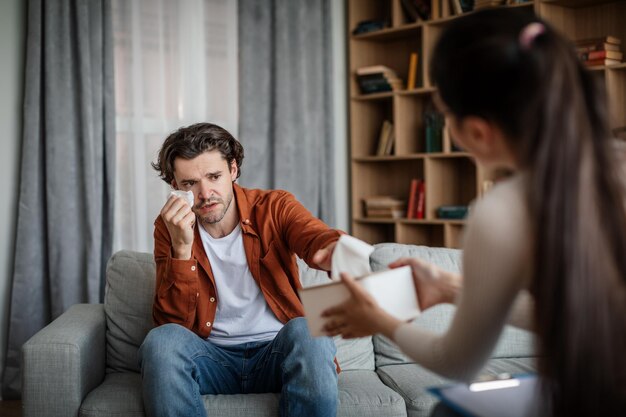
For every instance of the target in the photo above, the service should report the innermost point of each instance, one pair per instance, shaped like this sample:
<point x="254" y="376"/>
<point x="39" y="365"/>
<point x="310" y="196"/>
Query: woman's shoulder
<point x="500" y="219"/>
<point x="505" y="201"/>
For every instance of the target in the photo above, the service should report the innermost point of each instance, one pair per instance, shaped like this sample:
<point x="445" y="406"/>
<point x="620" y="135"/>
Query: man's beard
<point x="214" y="217"/>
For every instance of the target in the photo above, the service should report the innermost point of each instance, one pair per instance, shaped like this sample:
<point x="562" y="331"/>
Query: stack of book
<point x="377" y="79"/>
<point x="384" y="206"/>
<point x="604" y="50"/>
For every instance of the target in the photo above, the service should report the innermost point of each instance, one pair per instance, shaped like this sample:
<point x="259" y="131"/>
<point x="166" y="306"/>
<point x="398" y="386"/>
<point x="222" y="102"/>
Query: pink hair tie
<point x="528" y="35"/>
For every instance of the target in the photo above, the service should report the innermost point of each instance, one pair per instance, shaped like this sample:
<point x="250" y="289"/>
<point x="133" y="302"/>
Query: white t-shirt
<point x="242" y="313"/>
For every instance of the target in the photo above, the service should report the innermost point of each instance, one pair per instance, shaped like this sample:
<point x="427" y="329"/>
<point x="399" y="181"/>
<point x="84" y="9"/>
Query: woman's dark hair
<point x="191" y="141"/>
<point x="555" y="119"/>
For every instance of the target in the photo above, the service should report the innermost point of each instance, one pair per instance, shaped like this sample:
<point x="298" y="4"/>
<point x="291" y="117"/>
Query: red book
<point x="412" y="206"/>
<point x="421" y="197"/>
<point x="591" y="55"/>
<point x="596" y="62"/>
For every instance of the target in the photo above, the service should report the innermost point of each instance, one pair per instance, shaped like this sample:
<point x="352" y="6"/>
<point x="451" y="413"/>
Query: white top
<point x="242" y="313"/>
<point x="496" y="274"/>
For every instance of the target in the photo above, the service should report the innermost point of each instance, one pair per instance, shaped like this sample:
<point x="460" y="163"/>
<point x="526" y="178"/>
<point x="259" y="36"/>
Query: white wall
<point x="12" y="42"/>
<point x="342" y="197"/>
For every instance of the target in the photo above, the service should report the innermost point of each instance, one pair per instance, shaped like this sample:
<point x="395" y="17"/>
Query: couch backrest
<point x="513" y="342"/>
<point x="128" y="308"/>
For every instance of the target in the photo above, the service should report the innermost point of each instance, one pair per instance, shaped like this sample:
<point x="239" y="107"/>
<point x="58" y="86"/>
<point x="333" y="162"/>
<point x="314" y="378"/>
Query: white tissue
<point x="187" y="195"/>
<point x="351" y="255"/>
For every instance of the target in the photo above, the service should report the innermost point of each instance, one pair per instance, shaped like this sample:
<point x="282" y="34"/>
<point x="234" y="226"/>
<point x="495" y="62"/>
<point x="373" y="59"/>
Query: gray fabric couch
<point x="85" y="362"/>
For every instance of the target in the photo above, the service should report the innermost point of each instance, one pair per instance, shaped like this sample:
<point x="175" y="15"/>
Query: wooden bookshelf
<point x="450" y="177"/>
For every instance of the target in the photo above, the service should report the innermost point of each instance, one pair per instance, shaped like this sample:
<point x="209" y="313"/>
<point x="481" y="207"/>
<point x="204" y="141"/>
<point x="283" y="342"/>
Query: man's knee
<point x="163" y="342"/>
<point x="297" y="338"/>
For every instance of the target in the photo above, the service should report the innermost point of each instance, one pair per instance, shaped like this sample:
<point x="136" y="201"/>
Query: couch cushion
<point x="361" y="394"/>
<point x="411" y="381"/>
<point x="513" y="342"/>
<point x="128" y="307"/>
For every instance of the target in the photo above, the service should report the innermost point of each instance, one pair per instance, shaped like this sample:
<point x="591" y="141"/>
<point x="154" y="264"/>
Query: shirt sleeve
<point x="304" y="233"/>
<point x="495" y="256"/>
<point x="176" y="282"/>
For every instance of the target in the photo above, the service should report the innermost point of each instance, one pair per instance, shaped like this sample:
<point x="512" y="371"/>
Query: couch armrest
<point x="63" y="362"/>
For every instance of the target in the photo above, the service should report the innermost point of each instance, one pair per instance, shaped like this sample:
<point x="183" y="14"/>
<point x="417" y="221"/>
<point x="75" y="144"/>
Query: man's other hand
<point x="179" y="220"/>
<point x="323" y="257"/>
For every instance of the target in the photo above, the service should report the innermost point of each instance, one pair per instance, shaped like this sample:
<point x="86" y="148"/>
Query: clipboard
<point x="517" y="396"/>
<point x="393" y="290"/>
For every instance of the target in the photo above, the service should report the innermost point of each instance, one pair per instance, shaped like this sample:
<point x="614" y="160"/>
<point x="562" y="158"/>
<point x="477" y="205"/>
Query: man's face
<point x="210" y="178"/>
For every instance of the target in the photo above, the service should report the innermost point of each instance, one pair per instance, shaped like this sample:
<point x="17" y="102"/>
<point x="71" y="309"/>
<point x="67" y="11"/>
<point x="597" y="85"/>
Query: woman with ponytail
<point x="546" y="248"/>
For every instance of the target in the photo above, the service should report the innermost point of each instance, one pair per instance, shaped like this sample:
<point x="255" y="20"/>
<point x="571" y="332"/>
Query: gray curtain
<point x="285" y="102"/>
<point x="65" y="212"/>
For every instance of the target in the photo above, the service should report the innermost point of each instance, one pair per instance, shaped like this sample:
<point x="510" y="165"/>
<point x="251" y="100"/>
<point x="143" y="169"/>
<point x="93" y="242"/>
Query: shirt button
<point x="212" y="299"/>
<point x="208" y="324"/>
<point x="193" y="268"/>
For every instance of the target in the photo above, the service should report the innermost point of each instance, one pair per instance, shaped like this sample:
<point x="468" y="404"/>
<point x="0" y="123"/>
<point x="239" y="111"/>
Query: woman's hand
<point x="359" y="316"/>
<point x="433" y="285"/>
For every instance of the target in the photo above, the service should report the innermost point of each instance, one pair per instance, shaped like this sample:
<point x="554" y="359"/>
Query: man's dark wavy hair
<point x="191" y="141"/>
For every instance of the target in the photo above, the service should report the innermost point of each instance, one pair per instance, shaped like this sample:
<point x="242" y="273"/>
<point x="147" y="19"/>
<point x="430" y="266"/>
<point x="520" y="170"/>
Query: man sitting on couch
<point x="226" y="305"/>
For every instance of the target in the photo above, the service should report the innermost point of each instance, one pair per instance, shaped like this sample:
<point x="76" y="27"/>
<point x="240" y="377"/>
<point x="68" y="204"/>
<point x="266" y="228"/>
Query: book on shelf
<point x="456" y="6"/>
<point x="601" y="62"/>
<point x="597" y="46"/>
<point x="412" y="78"/>
<point x="384" y="206"/>
<point x="386" y="138"/>
<point x="367" y="26"/>
<point x="377" y="79"/>
<point x="416" y="9"/>
<point x="613" y="40"/>
<point x="433" y="131"/>
<point x="421" y="200"/>
<point x="417" y="197"/>
<point x="481" y="4"/>
<point x="591" y="55"/>
<point x="452" y="212"/>
<point x="410" y="211"/>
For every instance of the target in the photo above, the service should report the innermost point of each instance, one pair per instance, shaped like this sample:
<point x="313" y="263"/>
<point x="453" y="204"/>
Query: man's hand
<point x="323" y="257"/>
<point x="179" y="220"/>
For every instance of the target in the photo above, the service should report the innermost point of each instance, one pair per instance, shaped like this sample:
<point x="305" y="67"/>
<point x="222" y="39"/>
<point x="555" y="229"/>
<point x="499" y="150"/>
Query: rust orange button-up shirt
<point x="275" y="227"/>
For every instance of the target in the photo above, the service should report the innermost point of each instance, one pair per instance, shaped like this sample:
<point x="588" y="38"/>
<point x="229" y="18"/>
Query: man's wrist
<point x="183" y="253"/>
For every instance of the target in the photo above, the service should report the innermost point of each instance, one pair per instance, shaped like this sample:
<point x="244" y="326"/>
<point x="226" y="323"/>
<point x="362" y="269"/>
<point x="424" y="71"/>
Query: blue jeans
<point x="178" y="367"/>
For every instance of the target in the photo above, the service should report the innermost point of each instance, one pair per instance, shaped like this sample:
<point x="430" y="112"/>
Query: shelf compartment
<point x="365" y="130"/>
<point x="616" y="85"/>
<point x="374" y="233"/>
<point x="382" y="178"/>
<point x="453" y="235"/>
<point x="408" y="114"/>
<point x="421" y="234"/>
<point x="449" y="181"/>
<point x="394" y="54"/>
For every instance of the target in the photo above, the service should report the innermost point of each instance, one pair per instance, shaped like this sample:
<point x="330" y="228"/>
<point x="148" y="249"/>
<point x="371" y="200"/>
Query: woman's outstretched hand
<point x="358" y="316"/>
<point x="433" y="285"/>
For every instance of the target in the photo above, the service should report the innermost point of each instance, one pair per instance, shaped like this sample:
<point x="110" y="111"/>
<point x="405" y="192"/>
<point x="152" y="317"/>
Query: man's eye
<point x="215" y="177"/>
